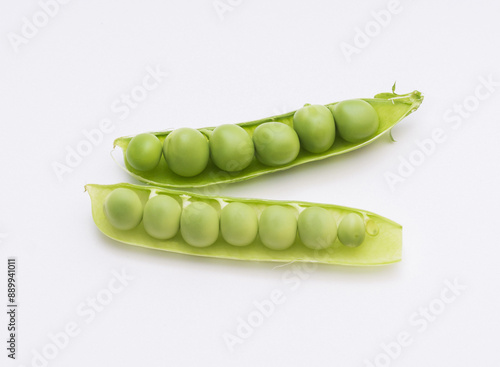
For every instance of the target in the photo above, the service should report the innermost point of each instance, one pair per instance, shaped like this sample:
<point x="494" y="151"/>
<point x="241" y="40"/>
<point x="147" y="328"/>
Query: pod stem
<point x="414" y="98"/>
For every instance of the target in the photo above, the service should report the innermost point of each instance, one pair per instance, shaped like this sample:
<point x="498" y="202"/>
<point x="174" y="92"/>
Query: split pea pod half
<point x="243" y="229"/>
<point x="236" y="152"/>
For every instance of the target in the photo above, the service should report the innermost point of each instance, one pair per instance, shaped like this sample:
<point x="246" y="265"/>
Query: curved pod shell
<point x="391" y="108"/>
<point x="383" y="247"/>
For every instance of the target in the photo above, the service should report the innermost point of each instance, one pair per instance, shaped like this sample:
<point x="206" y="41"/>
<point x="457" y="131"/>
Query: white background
<point x="259" y="59"/>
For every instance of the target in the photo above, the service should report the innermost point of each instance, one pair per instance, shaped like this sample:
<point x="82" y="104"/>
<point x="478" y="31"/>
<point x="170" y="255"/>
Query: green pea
<point x="315" y="127"/>
<point x="238" y="224"/>
<point x="275" y="143"/>
<point x="161" y="217"/>
<point x="231" y="148"/>
<point x="356" y="120"/>
<point x="352" y="230"/>
<point x="186" y="151"/>
<point x="317" y="228"/>
<point x="371" y="227"/>
<point x="123" y="208"/>
<point x="199" y="224"/>
<point x="144" y="152"/>
<point x="278" y="227"/>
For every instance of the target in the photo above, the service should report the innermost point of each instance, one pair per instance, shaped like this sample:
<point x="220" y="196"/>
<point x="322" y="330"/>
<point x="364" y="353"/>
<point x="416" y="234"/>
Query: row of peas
<point x="231" y="148"/>
<point x="239" y="223"/>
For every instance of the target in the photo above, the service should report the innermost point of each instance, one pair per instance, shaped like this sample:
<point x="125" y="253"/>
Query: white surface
<point x="261" y="58"/>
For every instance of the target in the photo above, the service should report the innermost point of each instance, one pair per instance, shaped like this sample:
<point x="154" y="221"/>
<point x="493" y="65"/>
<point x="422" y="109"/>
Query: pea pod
<point x="390" y="108"/>
<point x="381" y="244"/>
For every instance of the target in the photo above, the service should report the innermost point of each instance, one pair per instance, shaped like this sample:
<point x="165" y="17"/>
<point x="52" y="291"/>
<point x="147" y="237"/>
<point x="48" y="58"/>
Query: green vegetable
<point x="186" y="152"/>
<point x="356" y="120"/>
<point x="352" y="230"/>
<point x="144" y="152"/>
<point x="123" y="209"/>
<point x="389" y="107"/>
<point x="275" y="143"/>
<point x="315" y="127"/>
<point x="238" y="224"/>
<point x="199" y="224"/>
<point x="200" y="227"/>
<point x="231" y="148"/>
<point x="278" y="227"/>
<point x="161" y="219"/>
<point x="317" y="228"/>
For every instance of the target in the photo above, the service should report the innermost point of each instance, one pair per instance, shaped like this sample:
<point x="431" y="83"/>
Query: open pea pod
<point x="381" y="238"/>
<point x="390" y="107"/>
